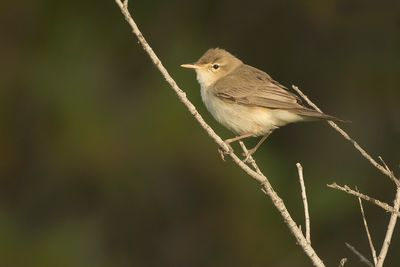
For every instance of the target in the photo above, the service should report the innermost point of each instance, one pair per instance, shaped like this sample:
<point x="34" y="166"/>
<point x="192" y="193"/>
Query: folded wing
<point x="257" y="88"/>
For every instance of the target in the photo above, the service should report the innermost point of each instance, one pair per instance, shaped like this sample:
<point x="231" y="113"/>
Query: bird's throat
<point x="205" y="78"/>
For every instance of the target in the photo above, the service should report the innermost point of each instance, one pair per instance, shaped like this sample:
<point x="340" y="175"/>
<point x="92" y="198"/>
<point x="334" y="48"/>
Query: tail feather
<point x="316" y="115"/>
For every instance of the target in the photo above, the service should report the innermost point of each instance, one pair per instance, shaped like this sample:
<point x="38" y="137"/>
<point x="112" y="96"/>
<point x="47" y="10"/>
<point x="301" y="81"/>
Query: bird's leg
<point x="254" y="149"/>
<point x="237" y="138"/>
<point x="231" y="140"/>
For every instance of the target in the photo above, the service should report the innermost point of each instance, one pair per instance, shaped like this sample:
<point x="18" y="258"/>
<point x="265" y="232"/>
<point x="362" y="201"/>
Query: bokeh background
<point x="101" y="165"/>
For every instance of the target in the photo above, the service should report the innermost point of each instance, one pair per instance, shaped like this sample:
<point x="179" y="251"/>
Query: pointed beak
<point x="190" y="66"/>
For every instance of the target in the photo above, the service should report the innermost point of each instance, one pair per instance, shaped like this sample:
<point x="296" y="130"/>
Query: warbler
<point x="247" y="100"/>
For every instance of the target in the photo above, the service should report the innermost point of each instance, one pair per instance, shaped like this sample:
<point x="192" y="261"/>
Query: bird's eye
<point x="215" y="66"/>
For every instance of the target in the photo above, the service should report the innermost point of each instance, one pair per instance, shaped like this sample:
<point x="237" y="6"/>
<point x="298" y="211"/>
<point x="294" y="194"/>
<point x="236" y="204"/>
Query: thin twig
<point x="384" y="163"/>
<point x="388" y="170"/>
<point x="371" y="244"/>
<point x="262" y="179"/>
<point x="374" y="201"/>
<point x="305" y="202"/>
<point x="390" y="229"/>
<point x="359" y="255"/>
<point x="364" y="153"/>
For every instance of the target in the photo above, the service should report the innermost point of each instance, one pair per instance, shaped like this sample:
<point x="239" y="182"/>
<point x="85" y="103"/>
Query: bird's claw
<point x="223" y="152"/>
<point x="248" y="156"/>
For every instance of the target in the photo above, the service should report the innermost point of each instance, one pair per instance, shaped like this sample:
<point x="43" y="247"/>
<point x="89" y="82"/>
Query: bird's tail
<point x="311" y="114"/>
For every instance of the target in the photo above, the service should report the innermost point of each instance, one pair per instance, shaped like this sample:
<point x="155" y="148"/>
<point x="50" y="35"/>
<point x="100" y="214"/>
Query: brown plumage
<point x="259" y="89"/>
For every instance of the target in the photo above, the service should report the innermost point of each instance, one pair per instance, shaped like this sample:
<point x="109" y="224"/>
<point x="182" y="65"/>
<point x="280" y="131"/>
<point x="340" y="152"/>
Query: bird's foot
<point x="248" y="156"/>
<point x="223" y="152"/>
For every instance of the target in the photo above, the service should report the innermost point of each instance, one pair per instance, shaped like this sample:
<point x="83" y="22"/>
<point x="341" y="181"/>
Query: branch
<point x="374" y="201"/>
<point x="258" y="176"/>
<point x="359" y="255"/>
<point x="390" y="229"/>
<point x="371" y="244"/>
<point x="393" y="217"/>
<point x="383" y="169"/>
<point x="305" y="203"/>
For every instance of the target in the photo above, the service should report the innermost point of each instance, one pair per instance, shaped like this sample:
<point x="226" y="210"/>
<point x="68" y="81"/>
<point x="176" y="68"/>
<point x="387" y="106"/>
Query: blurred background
<point x="101" y="165"/>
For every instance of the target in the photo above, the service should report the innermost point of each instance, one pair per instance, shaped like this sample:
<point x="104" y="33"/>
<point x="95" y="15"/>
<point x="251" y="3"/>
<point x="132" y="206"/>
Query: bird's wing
<point x="249" y="86"/>
<point x="252" y="87"/>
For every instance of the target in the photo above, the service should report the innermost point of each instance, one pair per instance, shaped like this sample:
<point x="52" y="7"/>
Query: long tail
<point x="312" y="114"/>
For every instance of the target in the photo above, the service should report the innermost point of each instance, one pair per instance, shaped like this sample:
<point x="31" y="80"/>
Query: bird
<point x="246" y="100"/>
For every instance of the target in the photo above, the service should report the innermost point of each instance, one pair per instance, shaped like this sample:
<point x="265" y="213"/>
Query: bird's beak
<point x="190" y="66"/>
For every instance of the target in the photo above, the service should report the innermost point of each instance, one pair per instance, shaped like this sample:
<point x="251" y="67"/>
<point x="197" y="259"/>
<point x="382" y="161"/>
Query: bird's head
<point x="213" y="65"/>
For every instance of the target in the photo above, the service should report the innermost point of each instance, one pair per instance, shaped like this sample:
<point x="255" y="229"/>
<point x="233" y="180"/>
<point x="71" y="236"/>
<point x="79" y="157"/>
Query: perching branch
<point x="305" y="202"/>
<point x="258" y="176"/>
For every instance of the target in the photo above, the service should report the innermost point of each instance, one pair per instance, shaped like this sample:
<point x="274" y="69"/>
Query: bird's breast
<point x="242" y="119"/>
<point x="238" y="118"/>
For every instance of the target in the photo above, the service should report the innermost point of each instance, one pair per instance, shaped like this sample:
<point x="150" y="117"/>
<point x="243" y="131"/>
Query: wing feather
<point x="255" y="88"/>
<point x="249" y="86"/>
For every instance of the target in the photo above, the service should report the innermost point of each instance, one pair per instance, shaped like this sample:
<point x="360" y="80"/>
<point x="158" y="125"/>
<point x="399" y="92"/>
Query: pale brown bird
<point x="247" y="100"/>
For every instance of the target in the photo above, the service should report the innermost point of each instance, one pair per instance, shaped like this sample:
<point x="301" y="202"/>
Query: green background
<point x="101" y="165"/>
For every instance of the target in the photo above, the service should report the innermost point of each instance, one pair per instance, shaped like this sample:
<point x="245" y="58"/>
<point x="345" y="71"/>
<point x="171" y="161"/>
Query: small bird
<point x="245" y="99"/>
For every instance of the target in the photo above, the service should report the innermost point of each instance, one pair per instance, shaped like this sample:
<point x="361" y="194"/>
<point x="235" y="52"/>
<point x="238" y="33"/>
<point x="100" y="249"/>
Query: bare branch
<point x="371" y="244"/>
<point x="305" y="202"/>
<point x="359" y="255"/>
<point x="392" y="222"/>
<point x="390" y="229"/>
<point x="258" y="176"/>
<point x="374" y="201"/>
<point x="364" y="153"/>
